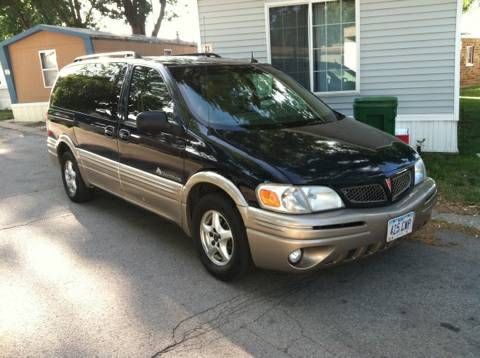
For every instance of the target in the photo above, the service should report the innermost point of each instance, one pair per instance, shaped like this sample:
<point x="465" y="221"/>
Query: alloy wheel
<point x="70" y="178"/>
<point x="216" y="237"/>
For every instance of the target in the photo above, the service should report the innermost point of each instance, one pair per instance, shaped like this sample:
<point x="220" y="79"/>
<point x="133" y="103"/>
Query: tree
<point x="164" y="13"/>
<point x="135" y="13"/>
<point x="467" y="4"/>
<point x="76" y="13"/>
<point x="19" y="15"/>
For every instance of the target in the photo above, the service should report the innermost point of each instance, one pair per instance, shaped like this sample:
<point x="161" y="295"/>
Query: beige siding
<point x="26" y="66"/>
<point x="142" y="48"/>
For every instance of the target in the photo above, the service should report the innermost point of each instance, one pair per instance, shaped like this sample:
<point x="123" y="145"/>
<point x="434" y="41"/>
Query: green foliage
<point x="467" y="4"/>
<point x="5" y="114"/>
<point x="19" y="15"/>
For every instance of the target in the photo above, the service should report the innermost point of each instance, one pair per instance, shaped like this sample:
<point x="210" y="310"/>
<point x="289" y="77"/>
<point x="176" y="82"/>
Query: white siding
<point x="235" y="28"/>
<point x="407" y="49"/>
<point x="4" y="98"/>
<point x="30" y="112"/>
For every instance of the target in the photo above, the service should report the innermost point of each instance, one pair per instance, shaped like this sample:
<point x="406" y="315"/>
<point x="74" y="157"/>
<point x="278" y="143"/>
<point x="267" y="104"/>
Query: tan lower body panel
<point x="160" y="195"/>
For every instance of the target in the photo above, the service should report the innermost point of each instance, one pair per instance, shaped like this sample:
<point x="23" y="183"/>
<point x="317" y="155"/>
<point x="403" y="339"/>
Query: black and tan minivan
<point x="254" y="167"/>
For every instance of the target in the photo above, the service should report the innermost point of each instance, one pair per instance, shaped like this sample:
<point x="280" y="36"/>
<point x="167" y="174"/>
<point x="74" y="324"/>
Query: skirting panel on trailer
<point x="4" y="98"/>
<point x="438" y="131"/>
<point x="30" y="112"/>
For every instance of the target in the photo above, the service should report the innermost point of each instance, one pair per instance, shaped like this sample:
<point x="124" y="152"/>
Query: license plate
<point x="400" y="226"/>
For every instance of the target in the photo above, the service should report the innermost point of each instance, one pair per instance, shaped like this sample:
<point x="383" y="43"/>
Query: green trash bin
<point x="379" y="112"/>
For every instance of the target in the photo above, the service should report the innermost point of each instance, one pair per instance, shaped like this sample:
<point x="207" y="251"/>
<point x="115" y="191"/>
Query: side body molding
<point x="217" y="180"/>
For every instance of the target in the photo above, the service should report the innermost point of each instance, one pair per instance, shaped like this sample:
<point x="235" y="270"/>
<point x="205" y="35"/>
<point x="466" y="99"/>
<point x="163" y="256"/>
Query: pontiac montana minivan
<point x="254" y="167"/>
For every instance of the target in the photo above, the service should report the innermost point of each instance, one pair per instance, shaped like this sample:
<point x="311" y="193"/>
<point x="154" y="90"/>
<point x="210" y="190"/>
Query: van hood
<point x="343" y="151"/>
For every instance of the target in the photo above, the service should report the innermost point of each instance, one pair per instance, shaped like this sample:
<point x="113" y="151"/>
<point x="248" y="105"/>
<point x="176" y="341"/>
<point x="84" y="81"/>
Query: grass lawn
<point x="471" y="92"/>
<point x="458" y="176"/>
<point x="5" y="114"/>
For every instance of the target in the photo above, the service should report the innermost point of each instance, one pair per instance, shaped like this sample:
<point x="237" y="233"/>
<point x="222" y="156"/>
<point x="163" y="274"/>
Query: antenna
<point x="204" y="34"/>
<point x="253" y="59"/>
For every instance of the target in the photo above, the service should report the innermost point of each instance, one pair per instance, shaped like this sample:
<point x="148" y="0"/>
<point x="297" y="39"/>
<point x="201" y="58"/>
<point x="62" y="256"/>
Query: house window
<point x="48" y="65"/>
<point x="316" y="43"/>
<point x="470" y="55"/>
<point x="167" y="52"/>
<point x="289" y="41"/>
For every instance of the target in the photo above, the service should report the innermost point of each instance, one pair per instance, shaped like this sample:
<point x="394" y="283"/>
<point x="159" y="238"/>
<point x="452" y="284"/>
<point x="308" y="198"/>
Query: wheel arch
<point x="64" y="143"/>
<point x="209" y="182"/>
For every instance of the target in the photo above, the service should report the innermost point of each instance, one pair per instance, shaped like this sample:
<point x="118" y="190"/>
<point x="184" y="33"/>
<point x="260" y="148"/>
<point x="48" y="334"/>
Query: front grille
<point x="365" y="194"/>
<point x="401" y="183"/>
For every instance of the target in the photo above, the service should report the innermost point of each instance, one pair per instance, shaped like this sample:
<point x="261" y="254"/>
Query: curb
<point x="470" y="221"/>
<point x="22" y="128"/>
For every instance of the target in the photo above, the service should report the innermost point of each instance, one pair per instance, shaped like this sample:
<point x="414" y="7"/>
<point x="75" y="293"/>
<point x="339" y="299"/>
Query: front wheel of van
<point x="75" y="187"/>
<point x="220" y="237"/>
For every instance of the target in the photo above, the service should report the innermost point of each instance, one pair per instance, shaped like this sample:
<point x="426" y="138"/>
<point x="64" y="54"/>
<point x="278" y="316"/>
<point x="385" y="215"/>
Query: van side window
<point x="148" y="92"/>
<point x="92" y="89"/>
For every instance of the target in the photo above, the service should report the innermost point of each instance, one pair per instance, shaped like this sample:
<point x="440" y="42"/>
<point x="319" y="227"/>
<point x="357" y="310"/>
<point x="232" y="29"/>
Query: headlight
<point x="420" y="171"/>
<point x="297" y="200"/>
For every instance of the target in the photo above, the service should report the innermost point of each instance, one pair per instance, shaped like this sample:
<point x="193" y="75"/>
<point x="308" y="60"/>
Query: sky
<point x="186" y="23"/>
<point x="471" y="19"/>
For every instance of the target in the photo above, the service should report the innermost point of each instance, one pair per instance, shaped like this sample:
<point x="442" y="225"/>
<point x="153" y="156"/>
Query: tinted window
<point x="248" y="95"/>
<point x="148" y="92"/>
<point x="93" y="89"/>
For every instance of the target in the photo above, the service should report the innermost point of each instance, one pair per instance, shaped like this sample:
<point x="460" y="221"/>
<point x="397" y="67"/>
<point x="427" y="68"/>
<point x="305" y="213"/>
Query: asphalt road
<point x="109" y="279"/>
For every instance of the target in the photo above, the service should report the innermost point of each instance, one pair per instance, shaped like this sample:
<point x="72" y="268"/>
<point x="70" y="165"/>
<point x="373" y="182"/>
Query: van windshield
<point x="248" y="96"/>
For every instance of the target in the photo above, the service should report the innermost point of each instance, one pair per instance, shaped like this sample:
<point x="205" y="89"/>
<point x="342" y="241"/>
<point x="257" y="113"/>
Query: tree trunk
<point x="161" y="15"/>
<point x="138" y="28"/>
<point x="135" y="20"/>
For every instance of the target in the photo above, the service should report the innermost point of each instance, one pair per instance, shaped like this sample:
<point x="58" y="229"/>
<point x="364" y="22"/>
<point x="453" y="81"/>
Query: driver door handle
<point x="123" y="134"/>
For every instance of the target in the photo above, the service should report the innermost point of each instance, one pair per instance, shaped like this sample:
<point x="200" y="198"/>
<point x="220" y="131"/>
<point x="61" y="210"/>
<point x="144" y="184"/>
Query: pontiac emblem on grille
<point x="388" y="181"/>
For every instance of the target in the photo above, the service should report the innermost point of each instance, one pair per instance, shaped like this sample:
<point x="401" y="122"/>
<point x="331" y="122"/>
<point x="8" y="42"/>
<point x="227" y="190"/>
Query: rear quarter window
<point x="92" y="89"/>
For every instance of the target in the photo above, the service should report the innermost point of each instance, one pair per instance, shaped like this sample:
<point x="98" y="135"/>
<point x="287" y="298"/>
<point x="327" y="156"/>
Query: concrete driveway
<point x="109" y="279"/>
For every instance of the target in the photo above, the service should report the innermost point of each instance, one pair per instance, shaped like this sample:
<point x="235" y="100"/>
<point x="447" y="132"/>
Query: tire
<point x="215" y="238"/>
<point x="75" y="187"/>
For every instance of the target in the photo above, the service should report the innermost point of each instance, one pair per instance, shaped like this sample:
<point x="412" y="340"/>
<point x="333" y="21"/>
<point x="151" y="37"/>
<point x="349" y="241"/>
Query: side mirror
<point x="153" y="122"/>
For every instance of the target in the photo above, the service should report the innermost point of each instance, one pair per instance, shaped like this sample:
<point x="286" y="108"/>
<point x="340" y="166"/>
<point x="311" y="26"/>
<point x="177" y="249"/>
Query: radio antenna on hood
<point x="253" y="59"/>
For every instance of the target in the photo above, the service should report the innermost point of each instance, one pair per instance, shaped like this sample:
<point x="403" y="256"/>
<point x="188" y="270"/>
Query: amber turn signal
<point x="269" y="198"/>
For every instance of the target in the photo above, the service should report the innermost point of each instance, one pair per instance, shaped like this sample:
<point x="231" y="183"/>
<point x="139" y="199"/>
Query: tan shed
<point x="32" y="59"/>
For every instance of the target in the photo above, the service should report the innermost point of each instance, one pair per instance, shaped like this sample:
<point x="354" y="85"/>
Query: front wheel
<point x="220" y="237"/>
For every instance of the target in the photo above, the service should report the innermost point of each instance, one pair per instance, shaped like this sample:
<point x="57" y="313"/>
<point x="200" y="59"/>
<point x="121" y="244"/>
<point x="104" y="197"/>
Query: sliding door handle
<point x="109" y="130"/>
<point x="123" y="134"/>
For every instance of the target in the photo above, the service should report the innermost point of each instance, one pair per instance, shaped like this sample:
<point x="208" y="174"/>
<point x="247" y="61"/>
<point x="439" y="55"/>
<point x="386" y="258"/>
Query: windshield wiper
<point x="285" y="124"/>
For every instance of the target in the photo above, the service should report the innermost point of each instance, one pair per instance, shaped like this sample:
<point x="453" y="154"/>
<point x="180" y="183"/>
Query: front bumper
<point x="332" y="237"/>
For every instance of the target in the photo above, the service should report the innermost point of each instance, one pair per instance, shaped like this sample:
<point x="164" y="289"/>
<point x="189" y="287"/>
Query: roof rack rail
<point x="203" y="54"/>
<point x="122" y="54"/>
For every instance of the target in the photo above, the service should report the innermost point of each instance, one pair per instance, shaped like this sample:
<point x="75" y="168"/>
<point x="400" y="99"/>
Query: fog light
<point x="295" y="256"/>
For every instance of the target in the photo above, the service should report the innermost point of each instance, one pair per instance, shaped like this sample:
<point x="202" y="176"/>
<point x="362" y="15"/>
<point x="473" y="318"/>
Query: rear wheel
<point x="75" y="187"/>
<point x="220" y="237"/>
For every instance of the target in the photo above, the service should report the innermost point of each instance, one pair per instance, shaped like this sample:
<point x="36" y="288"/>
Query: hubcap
<point x="70" y="178"/>
<point x="216" y="237"/>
